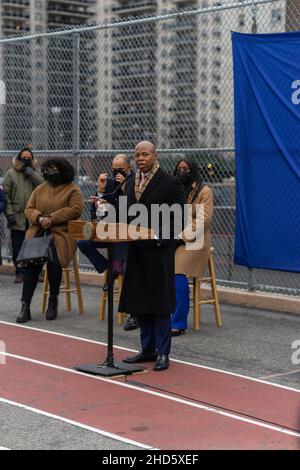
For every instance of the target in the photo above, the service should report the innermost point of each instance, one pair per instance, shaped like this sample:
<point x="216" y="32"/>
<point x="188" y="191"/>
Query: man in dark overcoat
<point x="149" y="284"/>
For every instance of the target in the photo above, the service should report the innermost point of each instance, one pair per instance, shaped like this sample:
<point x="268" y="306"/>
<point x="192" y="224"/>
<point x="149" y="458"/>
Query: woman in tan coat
<point x="50" y="207"/>
<point x="193" y="247"/>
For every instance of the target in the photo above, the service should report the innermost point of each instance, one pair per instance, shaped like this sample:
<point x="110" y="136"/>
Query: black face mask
<point x="119" y="170"/>
<point x="184" y="176"/>
<point x="26" y="162"/>
<point x="54" y="179"/>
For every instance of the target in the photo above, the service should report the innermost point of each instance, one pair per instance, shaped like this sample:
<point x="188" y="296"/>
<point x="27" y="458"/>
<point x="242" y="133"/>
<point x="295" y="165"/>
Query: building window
<point x="276" y="15"/>
<point x="242" y="21"/>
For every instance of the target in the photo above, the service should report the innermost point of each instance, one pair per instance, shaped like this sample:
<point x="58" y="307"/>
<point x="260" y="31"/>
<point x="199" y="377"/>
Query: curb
<point x="262" y="301"/>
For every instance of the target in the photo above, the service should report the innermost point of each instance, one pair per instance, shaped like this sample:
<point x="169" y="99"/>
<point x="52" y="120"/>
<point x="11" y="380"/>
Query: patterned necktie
<point x="143" y="181"/>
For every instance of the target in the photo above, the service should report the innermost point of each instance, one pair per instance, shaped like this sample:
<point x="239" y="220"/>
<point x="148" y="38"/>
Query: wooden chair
<point x="66" y="288"/>
<point x="214" y="300"/>
<point x="120" y="316"/>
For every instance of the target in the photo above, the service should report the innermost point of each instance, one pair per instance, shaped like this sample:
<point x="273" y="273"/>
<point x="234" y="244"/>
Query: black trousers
<point x="155" y="332"/>
<point x="17" y="238"/>
<point x="31" y="276"/>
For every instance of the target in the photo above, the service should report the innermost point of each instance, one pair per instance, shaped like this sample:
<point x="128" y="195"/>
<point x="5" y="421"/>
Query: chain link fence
<point x="91" y="92"/>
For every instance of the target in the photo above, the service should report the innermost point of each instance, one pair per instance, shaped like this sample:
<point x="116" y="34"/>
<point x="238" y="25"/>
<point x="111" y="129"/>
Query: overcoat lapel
<point x="152" y="184"/>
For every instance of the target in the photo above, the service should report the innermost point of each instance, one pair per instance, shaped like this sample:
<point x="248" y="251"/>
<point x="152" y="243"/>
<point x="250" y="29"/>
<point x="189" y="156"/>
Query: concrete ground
<point x="251" y="342"/>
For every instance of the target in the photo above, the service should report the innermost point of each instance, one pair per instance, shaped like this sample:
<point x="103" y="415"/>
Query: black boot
<point x="51" y="313"/>
<point x="24" y="315"/>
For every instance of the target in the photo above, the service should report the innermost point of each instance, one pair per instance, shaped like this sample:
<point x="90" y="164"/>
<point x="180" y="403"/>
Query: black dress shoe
<point x="177" y="332"/>
<point x="141" y="357"/>
<point x="24" y="315"/>
<point x="132" y="323"/>
<point x="162" y="363"/>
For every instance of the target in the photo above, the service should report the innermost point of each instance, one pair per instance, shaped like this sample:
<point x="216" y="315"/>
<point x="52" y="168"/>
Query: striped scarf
<point x="140" y="188"/>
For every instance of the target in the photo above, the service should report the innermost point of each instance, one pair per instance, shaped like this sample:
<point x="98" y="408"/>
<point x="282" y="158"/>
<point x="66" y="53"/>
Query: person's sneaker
<point x="19" y="279"/>
<point x="132" y="323"/>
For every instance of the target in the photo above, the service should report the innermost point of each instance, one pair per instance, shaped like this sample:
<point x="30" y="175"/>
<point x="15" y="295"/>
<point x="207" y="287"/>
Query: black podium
<point x="81" y="230"/>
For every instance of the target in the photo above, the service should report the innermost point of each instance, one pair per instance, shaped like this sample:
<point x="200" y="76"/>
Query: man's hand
<point x="93" y="199"/>
<point x="102" y="181"/>
<point x="120" y="178"/>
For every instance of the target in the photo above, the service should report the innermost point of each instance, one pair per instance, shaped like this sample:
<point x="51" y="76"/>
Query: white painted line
<point x="40" y="330"/>
<point x="265" y="382"/>
<point x="281" y="374"/>
<point x="4" y="448"/>
<point x="75" y="423"/>
<point x="209" y="409"/>
<point x="199" y="366"/>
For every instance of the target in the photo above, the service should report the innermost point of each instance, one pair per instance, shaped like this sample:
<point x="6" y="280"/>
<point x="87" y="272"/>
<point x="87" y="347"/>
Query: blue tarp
<point x="267" y="143"/>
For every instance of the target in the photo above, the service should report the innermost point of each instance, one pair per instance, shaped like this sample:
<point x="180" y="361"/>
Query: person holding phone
<point x="113" y="187"/>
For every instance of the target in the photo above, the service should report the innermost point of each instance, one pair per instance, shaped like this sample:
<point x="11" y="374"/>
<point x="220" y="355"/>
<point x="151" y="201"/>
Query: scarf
<point x="139" y="188"/>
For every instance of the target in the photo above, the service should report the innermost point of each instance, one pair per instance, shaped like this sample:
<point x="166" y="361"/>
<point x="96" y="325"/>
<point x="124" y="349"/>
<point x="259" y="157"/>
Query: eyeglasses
<point x="51" y="171"/>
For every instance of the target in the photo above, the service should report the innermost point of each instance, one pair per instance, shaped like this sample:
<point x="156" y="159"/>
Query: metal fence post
<point x="76" y="103"/>
<point x="251" y="280"/>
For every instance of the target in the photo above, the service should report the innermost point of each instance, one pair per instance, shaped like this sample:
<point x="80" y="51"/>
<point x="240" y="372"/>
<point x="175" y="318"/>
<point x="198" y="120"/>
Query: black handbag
<point x="36" y="251"/>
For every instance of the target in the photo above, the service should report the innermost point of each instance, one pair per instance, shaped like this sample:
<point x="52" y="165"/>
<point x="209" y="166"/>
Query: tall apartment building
<point x="127" y="75"/>
<point x="171" y="80"/>
<point x="39" y="73"/>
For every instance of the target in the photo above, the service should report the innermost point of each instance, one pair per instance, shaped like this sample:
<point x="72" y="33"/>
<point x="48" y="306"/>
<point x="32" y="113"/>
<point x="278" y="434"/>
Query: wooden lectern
<point x="110" y="234"/>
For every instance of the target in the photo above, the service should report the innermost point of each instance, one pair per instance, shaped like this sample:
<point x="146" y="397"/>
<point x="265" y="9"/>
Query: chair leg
<point x="78" y="286"/>
<point x="68" y="293"/>
<point x="45" y="292"/>
<point x="197" y="308"/>
<point x="215" y="291"/>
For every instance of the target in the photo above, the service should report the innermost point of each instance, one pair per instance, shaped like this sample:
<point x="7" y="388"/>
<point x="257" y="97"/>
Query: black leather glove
<point x="11" y="220"/>
<point x="28" y="171"/>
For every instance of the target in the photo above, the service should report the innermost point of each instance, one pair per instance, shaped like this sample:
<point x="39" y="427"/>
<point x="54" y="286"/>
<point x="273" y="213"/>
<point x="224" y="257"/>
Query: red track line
<point x="129" y="413"/>
<point x="240" y="395"/>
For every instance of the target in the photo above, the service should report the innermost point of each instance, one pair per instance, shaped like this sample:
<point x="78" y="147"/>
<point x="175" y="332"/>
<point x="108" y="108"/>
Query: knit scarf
<point x="138" y="189"/>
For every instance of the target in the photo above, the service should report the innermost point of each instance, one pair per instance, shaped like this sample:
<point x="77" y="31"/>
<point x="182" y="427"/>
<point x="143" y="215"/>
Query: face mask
<point x="54" y="178"/>
<point x="119" y="170"/>
<point x="184" y="176"/>
<point x="26" y="162"/>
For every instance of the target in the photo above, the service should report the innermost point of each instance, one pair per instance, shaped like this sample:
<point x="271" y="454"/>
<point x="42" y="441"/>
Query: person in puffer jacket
<point x="2" y="207"/>
<point x="18" y="184"/>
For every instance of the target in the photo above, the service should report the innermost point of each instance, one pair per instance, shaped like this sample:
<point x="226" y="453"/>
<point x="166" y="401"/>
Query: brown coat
<point x="62" y="203"/>
<point x="193" y="262"/>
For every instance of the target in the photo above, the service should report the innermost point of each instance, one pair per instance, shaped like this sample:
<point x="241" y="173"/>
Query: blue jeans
<point x="179" y="317"/>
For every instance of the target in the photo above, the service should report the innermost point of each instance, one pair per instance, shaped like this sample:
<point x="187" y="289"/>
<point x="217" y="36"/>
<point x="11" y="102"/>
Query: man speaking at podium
<point x="149" y="283"/>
